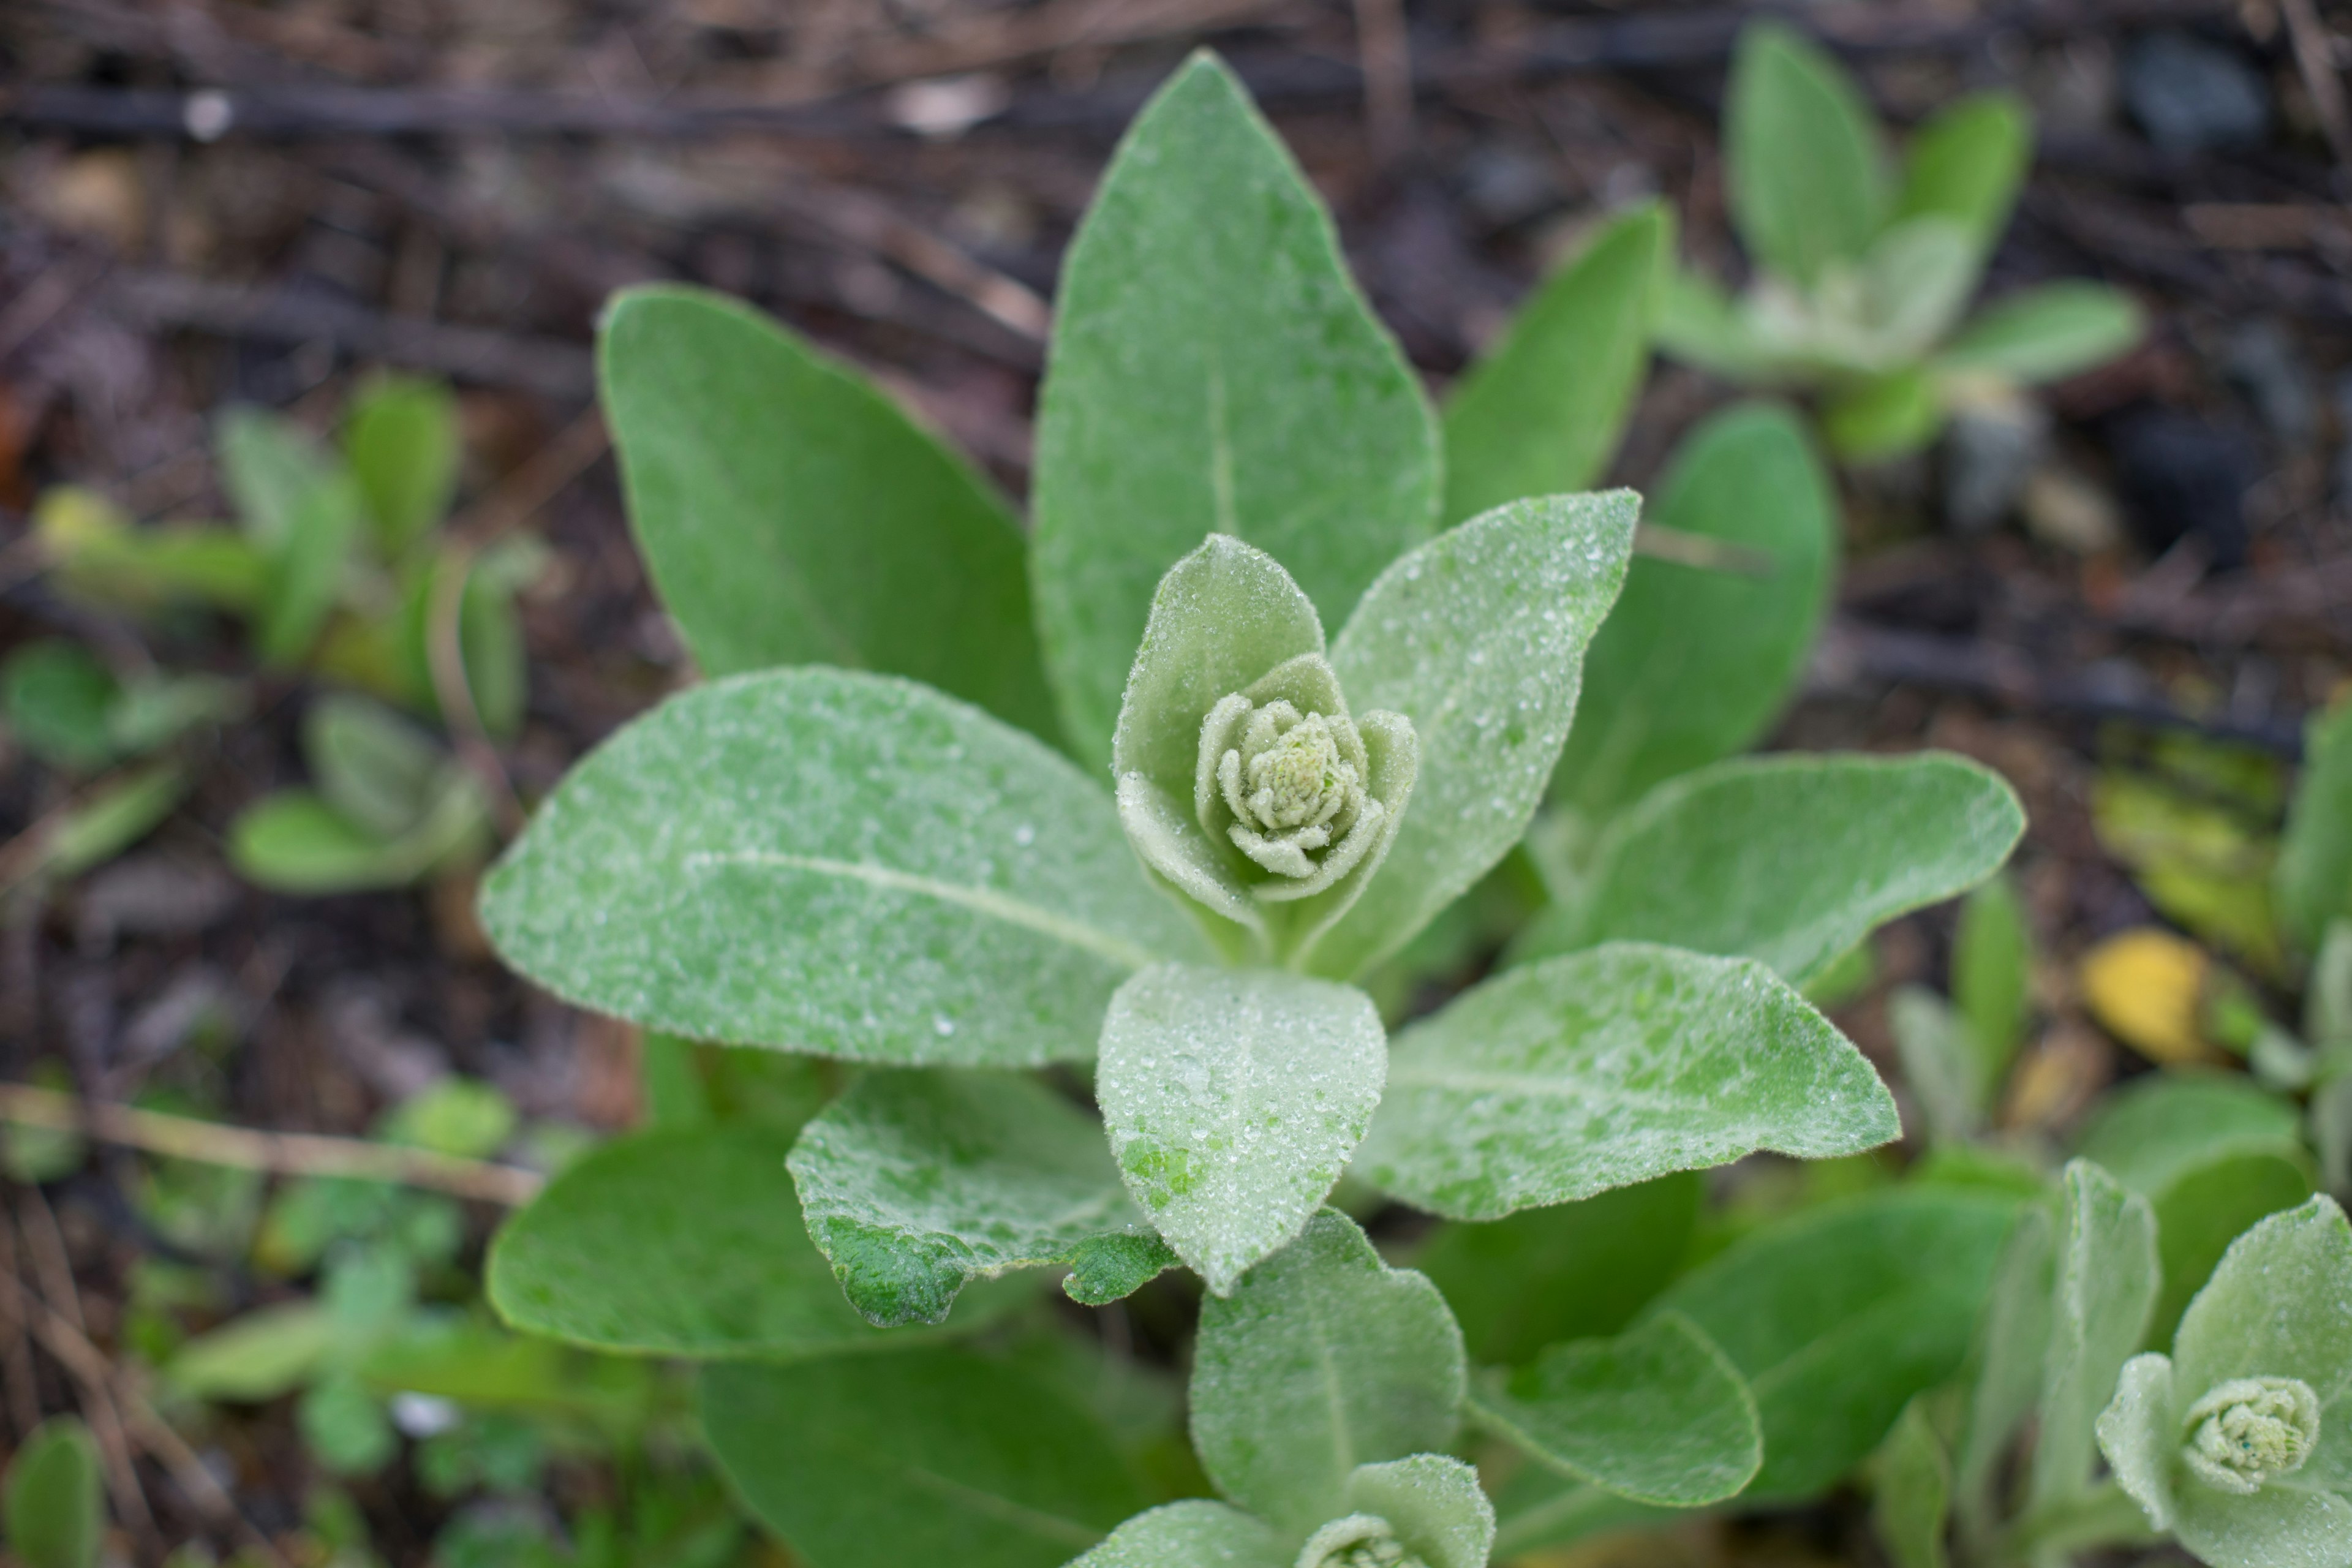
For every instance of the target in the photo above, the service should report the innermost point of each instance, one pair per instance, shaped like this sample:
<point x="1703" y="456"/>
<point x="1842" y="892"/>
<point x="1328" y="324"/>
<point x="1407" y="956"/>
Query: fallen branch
<point x="283" y="1153"/>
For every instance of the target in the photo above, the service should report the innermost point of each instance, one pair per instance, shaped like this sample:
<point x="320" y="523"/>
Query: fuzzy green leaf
<point x="402" y="444"/>
<point x="789" y="513"/>
<point x="1694" y="663"/>
<point x="1233" y="1098"/>
<point x="1807" y="173"/>
<point x="1214" y="370"/>
<point x="914" y="1182"/>
<point x="829" y="861"/>
<point x="1561" y="1080"/>
<point x="1791" y="859"/>
<point x="1540" y="413"/>
<point x="1838" y="1315"/>
<point x="2011" y="1354"/>
<point x="1324" y="1358"/>
<point x="2156" y="1130"/>
<point x="55" y="1509"/>
<point x="1431" y="1502"/>
<point x="1992" y="978"/>
<point x="2107" y="1276"/>
<point x="1478" y="638"/>
<point x="1191" y="1534"/>
<point x="2046" y="333"/>
<point x="1911" y="1490"/>
<point x="927" y="1455"/>
<point x="1967" y="163"/>
<point x="2315" y="863"/>
<point x="1657" y="1414"/>
<point x="2279" y="1305"/>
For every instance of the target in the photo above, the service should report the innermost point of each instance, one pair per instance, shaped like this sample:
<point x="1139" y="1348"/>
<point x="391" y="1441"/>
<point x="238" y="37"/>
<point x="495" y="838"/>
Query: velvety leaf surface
<point x="1911" y="1487"/>
<point x="1193" y="1534"/>
<point x="1433" y="1502"/>
<point x="1214" y="370"/>
<point x="2011" y="1354"/>
<point x="1789" y="859"/>
<point x="1540" y="413"/>
<point x="829" y="861"/>
<point x="1478" y="638"/>
<point x="1838" y="1315"/>
<point x="1561" y="1080"/>
<point x="1322" y="1359"/>
<point x="2046" y="333"/>
<point x="2315" y="863"/>
<point x="915" y="1181"/>
<point x="789" y="513"/>
<point x="926" y="1456"/>
<point x="1808" y="177"/>
<point x="1233" y="1099"/>
<point x="2199" y="1215"/>
<point x="1568" y="1271"/>
<point x="1657" y="1414"/>
<point x="684" y="1242"/>
<point x="1966" y="163"/>
<point x="2107" y="1281"/>
<point x="1694" y="663"/>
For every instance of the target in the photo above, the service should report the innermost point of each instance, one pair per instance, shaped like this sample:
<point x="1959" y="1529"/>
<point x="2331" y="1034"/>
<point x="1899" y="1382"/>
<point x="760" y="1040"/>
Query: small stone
<point x="2193" y="96"/>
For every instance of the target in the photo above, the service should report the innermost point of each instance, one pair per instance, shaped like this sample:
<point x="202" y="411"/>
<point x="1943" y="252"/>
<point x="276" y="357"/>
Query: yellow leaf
<point x="2146" y="988"/>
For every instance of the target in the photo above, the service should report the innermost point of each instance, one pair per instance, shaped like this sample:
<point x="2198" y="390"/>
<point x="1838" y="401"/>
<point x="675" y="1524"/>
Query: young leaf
<point x="791" y="514"/>
<point x="1694" y="663"/>
<point x="2046" y="333"/>
<point x="1233" y="1099"/>
<point x="1478" y="638"/>
<point x="1808" y="177"/>
<point x="1191" y="1534"/>
<point x="1540" y="413"/>
<point x="685" y="1242"/>
<point x="1838" y="1315"/>
<point x="401" y="440"/>
<point x="375" y="768"/>
<point x="1565" y="1079"/>
<point x="1792" y="860"/>
<point x="2009" y="1360"/>
<point x="1992" y="978"/>
<point x="914" y="1182"/>
<point x="1324" y="1358"/>
<point x="269" y="1352"/>
<point x="1571" y="1271"/>
<point x="925" y="1455"/>
<point x="56" y="697"/>
<point x="55" y="1510"/>
<point x="2208" y="1207"/>
<point x="1940" y="1062"/>
<point x="268" y="467"/>
<point x="1884" y="418"/>
<point x="835" y="862"/>
<point x="1912" y="1488"/>
<point x="1431" y="1505"/>
<point x="1657" y="1414"/>
<point x="1214" y="370"/>
<point x="1966" y="163"/>
<point x="2108" y="1279"/>
<point x="306" y="570"/>
<point x="2315" y="863"/>
<point x="296" y="842"/>
<point x="2156" y="1130"/>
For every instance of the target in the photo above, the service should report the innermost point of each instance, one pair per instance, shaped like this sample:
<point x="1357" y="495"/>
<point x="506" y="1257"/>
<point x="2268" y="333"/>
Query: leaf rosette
<point x="1243" y="779"/>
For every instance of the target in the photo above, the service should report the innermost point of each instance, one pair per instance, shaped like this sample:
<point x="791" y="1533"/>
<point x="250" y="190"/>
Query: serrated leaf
<point x="402" y="442"/>
<point x="2046" y="333"/>
<point x="1478" y="638"/>
<point x="833" y="862"/>
<point x="789" y="513"/>
<point x="1233" y="1098"/>
<point x="54" y="1507"/>
<point x="1657" y="1414"/>
<point x="1561" y="1080"/>
<point x="1838" y="1315"/>
<point x="1214" y="370"/>
<point x="1191" y="1534"/>
<point x="926" y="1456"/>
<point x="686" y="1242"/>
<point x="1967" y="163"/>
<point x="1569" y="1272"/>
<point x="2315" y="864"/>
<point x="1806" y="175"/>
<point x="1692" y="665"/>
<point x="2107" y="1278"/>
<point x="1433" y="1504"/>
<point x="914" y="1182"/>
<point x="1541" y="412"/>
<point x="1324" y="1358"/>
<point x="1791" y="859"/>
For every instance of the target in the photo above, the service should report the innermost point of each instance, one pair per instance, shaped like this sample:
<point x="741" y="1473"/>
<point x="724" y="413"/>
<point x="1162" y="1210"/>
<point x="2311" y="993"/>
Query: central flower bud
<point x="1358" y="1541"/>
<point x="2248" y="1430"/>
<point x="1287" y="789"/>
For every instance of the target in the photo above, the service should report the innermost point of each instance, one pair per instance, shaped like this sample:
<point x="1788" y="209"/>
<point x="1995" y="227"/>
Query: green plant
<point x="54" y="1505"/>
<point x="1862" y="272"/>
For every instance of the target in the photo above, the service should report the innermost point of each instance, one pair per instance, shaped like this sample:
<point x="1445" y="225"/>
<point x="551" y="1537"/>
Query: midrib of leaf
<point x="1221" y="446"/>
<point x="1564" y="1087"/>
<point x="982" y="899"/>
<point x="1769" y="1380"/>
<point x="1333" y="1399"/>
<point x="1535" y="1523"/>
<point x="1036" y="1522"/>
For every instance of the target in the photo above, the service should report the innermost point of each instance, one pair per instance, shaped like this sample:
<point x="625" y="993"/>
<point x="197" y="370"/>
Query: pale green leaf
<point x="1808" y="177"/>
<point x="268" y="1352"/>
<point x="1233" y="1098"/>
<point x="1967" y="163"/>
<point x="1478" y="638"/>
<point x="2156" y="1130"/>
<point x="835" y="862"/>
<point x="2279" y="1305"/>
<point x="2011" y="1350"/>
<point x="921" y="1457"/>
<point x="683" y="1241"/>
<point x="2046" y="333"/>
<point x="1885" y="417"/>
<point x="1541" y="412"/>
<point x="2139" y="1434"/>
<point x="1791" y="859"/>
<point x="789" y="513"/>
<point x="1560" y="1080"/>
<point x="1701" y="325"/>
<point x="268" y="467"/>
<point x="914" y="1182"/>
<point x="305" y="576"/>
<point x="1569" y="1272"/>
<point x="295" y="842"/>
<point x="2107" y="1278"/>
<point x="2281" y="1527"/>
<point x="1191" y="1534"/>
<point x="1693" y="665"/>
<point x="376" y="769"/>
<point x="1214" y="370"/>
<point x="55" y="1507"/>
<point x="1911" y="1487"/>
<point x="2210" y="1205"/>
<point x="111" y="819"/>
<point x="1323" y="1358"/>
<point x="1916" y="281"/>
<point x="2315" y="863"/>
<point x="1992" y="977"/>
<point x="402" y="442"/>
<point x="1940" y="1062"/>
<point x="1431" y="1502"/>
<point x="1657" y="1414"/>
<point x="1838" y="1315"/>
